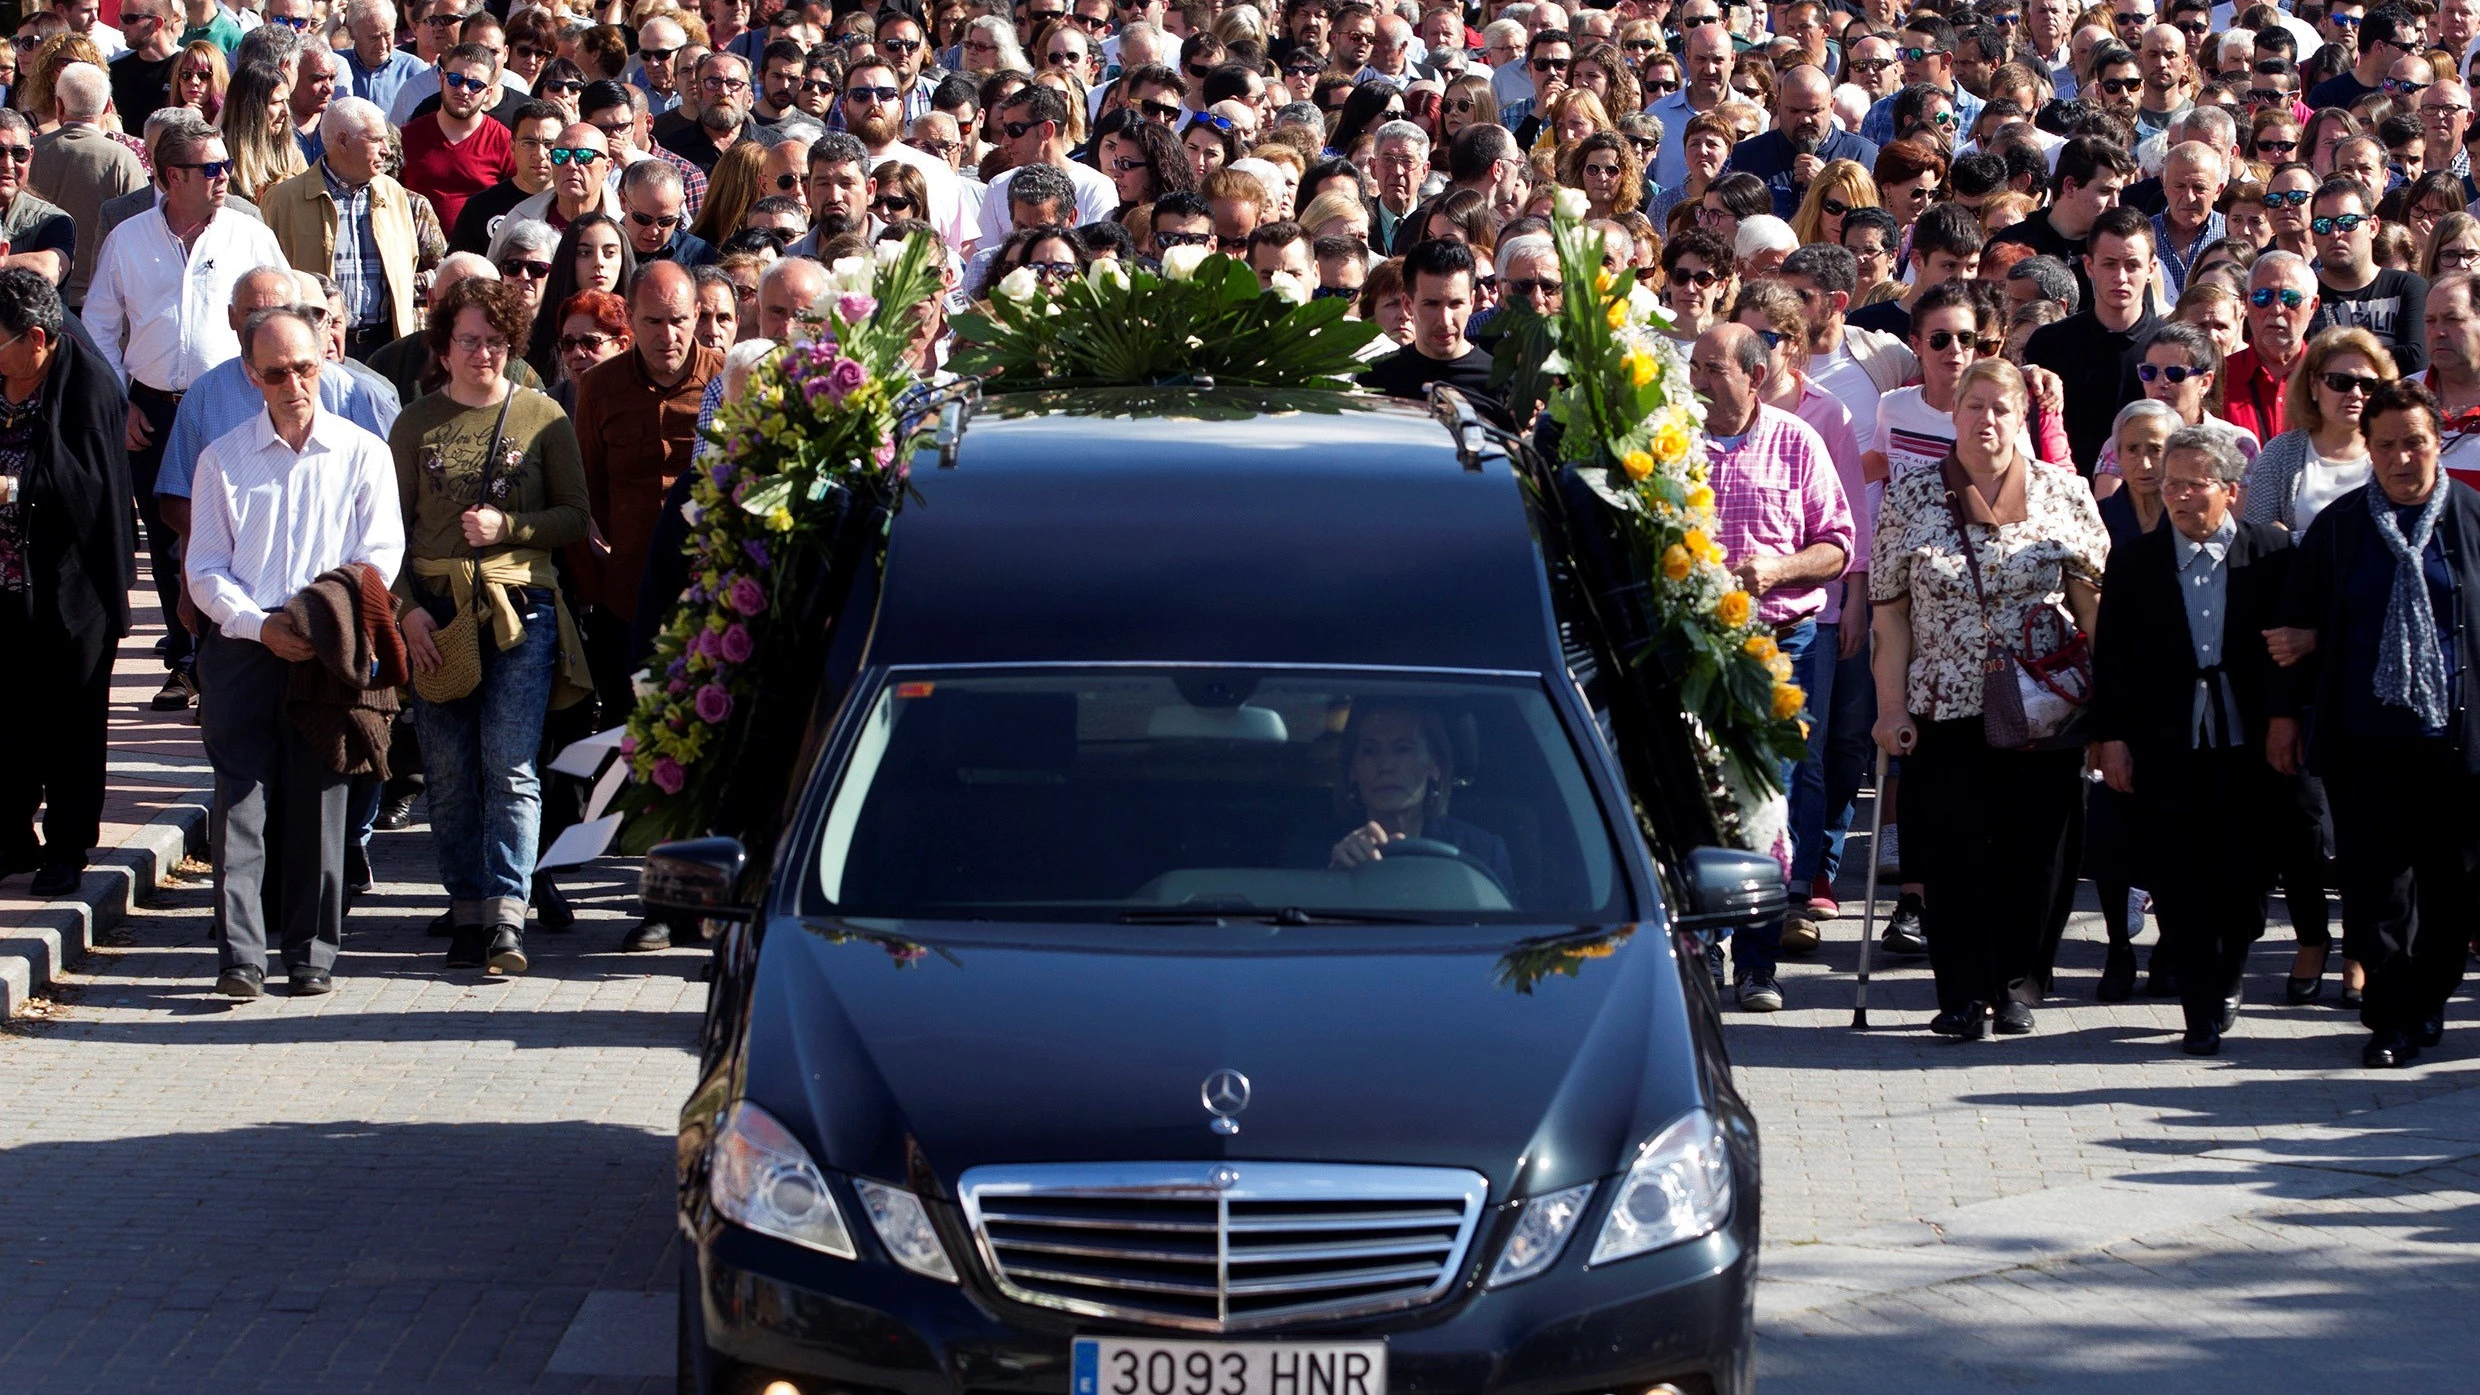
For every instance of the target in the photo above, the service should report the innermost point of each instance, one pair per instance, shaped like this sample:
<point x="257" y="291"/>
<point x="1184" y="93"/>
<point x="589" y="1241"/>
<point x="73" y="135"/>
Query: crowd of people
<point x="1981" y="294"/>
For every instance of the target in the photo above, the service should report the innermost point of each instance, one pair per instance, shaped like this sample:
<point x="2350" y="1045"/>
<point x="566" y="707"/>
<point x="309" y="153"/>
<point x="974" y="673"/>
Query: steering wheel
<point x="1438" y="847"/>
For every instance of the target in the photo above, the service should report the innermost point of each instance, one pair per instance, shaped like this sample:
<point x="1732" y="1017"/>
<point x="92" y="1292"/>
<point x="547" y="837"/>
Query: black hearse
<point x="1073" y="1041"/>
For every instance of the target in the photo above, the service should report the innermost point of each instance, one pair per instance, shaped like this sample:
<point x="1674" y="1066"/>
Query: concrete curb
<point x="55" y="933"/>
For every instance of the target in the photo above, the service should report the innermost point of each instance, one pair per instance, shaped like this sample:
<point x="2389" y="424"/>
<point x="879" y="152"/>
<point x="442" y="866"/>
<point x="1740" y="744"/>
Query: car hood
<point x="1538" y="1062"/>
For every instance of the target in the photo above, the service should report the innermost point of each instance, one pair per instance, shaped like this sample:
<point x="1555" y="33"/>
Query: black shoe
<point x="1758" y="992"/>
<point x="2118" y="976"/>
<point x="1967" y="1023"/>
<point x="654" y="934"/>
<point x="357" y="878"/>
<point x="2352" y="998"/>
<point x="468" y="948"/>
<point x="396" y="812"/>
<point x="241" y="981"/>
<point x="440" y="926"/>
<point x="507" y="952"/>
<point x="2431" y="1032"/>
<point x="2014" y="1019"/>
<point x="2230" y="1012"/>
<point x="2302" y="991"/>
<point x="1903" y="933"/>
<point x="552" y="913"/>
<point x="58" y="879"/>
<point x="2202" y="1041"/>
<point x="311" y="983"/>
<point x="178" y="692"/>
<point x="2387" y="1050"/>
<point x="163" y="646"/>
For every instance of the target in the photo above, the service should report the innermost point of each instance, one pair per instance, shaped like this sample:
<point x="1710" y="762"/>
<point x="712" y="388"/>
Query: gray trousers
<point x="279" y="834"/>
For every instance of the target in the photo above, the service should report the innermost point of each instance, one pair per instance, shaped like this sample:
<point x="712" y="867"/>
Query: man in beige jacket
<point x="80" y="168"/>
<point x="344" y="219"/>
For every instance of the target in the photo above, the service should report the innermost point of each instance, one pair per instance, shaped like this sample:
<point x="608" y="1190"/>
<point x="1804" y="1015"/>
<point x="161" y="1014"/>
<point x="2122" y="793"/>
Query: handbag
<point x="459" y="642"/>
<point x="2033" y="693"/>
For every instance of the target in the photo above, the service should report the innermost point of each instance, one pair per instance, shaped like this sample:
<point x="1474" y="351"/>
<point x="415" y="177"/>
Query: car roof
<point x="1212" y="526"/>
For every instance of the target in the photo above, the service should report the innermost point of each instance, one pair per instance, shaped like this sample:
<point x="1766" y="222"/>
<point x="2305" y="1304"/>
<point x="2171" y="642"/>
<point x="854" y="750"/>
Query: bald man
<point x="1804" y="138"/>
<point x="580" y="160"/>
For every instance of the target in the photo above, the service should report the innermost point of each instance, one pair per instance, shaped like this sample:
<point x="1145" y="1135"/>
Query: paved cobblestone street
<point x="438" y="1182"/>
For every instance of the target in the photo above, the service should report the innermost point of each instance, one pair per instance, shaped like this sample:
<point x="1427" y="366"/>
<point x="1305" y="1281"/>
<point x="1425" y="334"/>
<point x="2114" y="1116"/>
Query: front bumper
<point x="773" y="1311"/>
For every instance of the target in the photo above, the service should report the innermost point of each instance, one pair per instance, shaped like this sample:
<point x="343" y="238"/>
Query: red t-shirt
<point x="447" y="174"/>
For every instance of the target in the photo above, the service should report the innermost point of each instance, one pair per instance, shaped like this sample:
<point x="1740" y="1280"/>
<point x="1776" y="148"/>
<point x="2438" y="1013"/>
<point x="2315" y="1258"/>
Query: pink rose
<point x="668" y="776"/>
<point x="748" y="597"/>
<point x="737" y="645"/>
<point x="845" y="379"/>
<point x="628" y="745"/>
<point x="855" y="306"/>
<point x="713" y="704"/>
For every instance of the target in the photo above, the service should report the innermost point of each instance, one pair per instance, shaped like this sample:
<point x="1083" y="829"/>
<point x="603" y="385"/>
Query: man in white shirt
<point x="156" y="310"/>
<point x="85" y="18"/>
<point x="294" y="493"/>
<point x="872" y="106"/>
<point x="1033" y="128"/>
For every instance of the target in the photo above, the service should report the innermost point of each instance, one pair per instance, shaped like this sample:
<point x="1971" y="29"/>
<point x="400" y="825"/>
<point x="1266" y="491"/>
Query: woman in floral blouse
<point x="1983" y="825"/>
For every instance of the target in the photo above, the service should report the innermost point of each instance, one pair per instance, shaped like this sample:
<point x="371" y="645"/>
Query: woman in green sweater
<point x="491" y="484"/>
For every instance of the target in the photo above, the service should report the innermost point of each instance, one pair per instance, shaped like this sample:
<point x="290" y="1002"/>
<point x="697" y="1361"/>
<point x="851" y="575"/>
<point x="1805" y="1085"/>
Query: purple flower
<point x="721" y="472"/>
<point x="678" y="687"/>
<point x="748" y="597"/>
<point x="884" y="453"/>
<point x="679" y="669"/>
<point x="737" y="645"/>
<point x="757" y="553"/>
<point x="854" y="306"/>
<point x="713" y="704"/>
<point x="628" y="745"/>
<point x="845" y="379"/>
<point x="668" y="776"/>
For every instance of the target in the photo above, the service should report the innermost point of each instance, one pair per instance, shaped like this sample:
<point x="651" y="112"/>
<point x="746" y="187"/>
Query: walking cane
<point x="1868" y="917"/>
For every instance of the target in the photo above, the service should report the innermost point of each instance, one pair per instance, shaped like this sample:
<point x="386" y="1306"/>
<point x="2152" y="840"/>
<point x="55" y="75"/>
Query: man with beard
<point x="1804" y="138"/>
<point x="458" y="151"/>
<point x="723" y="113"/>
<point x="872" y="110"/>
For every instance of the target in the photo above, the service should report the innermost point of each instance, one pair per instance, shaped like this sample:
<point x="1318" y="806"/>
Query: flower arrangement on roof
<point x="1202" y="319"/>
<point x="1634" y="431"/>
<point x="816" y="427"/>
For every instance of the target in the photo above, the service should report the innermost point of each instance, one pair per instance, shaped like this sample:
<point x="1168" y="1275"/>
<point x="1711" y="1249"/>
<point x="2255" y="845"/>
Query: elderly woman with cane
<point x="2382" y="617"/>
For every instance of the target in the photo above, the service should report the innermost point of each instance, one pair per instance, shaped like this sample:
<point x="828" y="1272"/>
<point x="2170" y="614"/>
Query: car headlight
<point x="761" y="1177"/>
<point x="1540" y="1234"/>
<point x="1678" y="1189"/>
<point x="904" y="1227"/>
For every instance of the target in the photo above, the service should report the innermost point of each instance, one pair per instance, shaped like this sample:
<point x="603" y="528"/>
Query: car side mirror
<point x="1726" y="888"/>
<point x="695" y="877"/>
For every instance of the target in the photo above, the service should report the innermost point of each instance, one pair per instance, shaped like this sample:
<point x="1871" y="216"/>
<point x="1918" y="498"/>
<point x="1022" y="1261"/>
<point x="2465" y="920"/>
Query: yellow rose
<point x="1639" y="367"/>
<point x="1603" y="281"/>
<point x="1599" y="949"/>
<point x="1780" y="667"/>
<point x="1732" y="609"/>
<point x="1670" y="442"/>
<point x="1637" y="463"/>
<point x="1788" y="700"/>
<point x="1676" y="561"/>
<point x="1761" y="647"/>
<point x="1700" y="497"/>
<point x="1616" y="315"/>
<point x="1698" y="544"/>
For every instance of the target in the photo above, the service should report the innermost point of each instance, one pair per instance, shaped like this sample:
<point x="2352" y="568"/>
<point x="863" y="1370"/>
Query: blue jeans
<point x="478" y="751"/>
<point x="1828" y="785"/>
<point x="1755" y="949"/>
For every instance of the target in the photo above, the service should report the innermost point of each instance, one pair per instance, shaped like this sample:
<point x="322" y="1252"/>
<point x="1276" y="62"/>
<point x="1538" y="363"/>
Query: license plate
<point x="1140" y="1366"/>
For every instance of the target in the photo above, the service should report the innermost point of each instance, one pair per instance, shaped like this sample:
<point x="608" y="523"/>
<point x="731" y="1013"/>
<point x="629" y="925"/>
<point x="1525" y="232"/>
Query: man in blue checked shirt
<point x="1927" y="51"/>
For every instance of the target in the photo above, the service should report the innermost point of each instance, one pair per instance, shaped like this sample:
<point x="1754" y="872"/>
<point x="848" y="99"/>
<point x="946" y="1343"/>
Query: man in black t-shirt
<point x="2352" y="289"/>
<point x="1439" y="276"/>
<point x="2091" y="175"/>
<point x="142" y="77"/>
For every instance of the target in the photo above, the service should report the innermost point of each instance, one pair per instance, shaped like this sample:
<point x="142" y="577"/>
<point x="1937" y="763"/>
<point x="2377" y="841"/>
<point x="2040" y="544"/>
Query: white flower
<point x="886" y="252"/>
<point x="642" y="683"/>
<point x="1019" y="285"/>
<point x="1572" y="205"/>
<point x="691" y="513"/>
<point x="1107" y="274"/>
<point x="852" y="274"/>
<point x="1289" y="286"/>
<point x="1181" y="263"/>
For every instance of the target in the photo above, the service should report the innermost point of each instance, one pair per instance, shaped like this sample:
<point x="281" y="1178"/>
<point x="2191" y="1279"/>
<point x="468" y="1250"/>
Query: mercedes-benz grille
<point x="1221" y="1247"/>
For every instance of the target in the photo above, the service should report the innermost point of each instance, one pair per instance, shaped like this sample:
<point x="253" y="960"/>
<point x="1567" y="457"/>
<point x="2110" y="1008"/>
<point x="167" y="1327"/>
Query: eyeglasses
<point x="1188" y="239"/>
<point x="1940" y="340"/>
<point x="1709" y="215"/>
<point x="2264" y="296"/>
<point x="2458" y="258"/>
<point x="1525" y="288"/>
<point x="649" y="220"/>
<point x="1223" y="124"/>
<point x="458" y="82"/>
<point x="652" y="56"/>
<point x="2287" y="198"/>
<point x="476" y="344"/>
<point x="2344" y="384"/>
<point x="2345" y="223"/>
<point x="563" y="87"/>
<point x="296" y="23"/>
<point x="2404" y="87"/>
<point x="2175" y="373"/>
<point x="17" y="154"/>
<point x="1549" y="65"/>
<point x="1918" y="55"/>
<point x="575" y="155"/>
<point x="940" y="148"/>
<point x="716" y="82"/>
<point x="2277" y="147"/>
<point x="583" y="343"/>
<point x="871" y="96"/>
<point x="530" y="270"/>
<point x="278" y="374"/>
<point x="207" y="169"/>
<point x="1681" y="276"/>
<point x="889" y="207"/>
<point x="2120" y="87"/>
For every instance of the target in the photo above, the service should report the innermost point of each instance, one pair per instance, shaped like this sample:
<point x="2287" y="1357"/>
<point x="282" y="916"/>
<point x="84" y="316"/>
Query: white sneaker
<point x="1889" y="853"/>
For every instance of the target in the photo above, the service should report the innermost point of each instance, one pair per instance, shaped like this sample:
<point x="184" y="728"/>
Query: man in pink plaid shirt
<point x="1786" y="531"/>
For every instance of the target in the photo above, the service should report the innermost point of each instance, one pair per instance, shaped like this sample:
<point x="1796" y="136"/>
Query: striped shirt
<point x="358" y="271"/>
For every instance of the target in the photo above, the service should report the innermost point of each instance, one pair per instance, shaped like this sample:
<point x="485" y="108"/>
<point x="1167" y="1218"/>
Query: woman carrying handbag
<point x="491" y="484"/>
<point x="1980" y="681"/>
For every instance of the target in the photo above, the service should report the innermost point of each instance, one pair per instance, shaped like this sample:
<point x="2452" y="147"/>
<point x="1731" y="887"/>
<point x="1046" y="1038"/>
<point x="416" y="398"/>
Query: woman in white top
<point x="1916" y="425"/>
<point x="2320" y="456"/>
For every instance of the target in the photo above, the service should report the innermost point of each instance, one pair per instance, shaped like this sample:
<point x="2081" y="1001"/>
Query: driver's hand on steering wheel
<point x="1360" y="847"/>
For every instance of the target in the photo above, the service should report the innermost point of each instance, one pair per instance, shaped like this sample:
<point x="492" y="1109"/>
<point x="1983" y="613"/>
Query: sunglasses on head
<point x="2346" y="222"/>
<point x="2175" y="373"/>
<point x="2287" y="198"/>
<point x="1209" y="120"/>
<point x="2264" y="296"/>
<point x="2346" y="383"/>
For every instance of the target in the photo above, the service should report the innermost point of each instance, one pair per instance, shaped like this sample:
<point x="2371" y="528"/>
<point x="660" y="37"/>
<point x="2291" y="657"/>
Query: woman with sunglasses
<point x="522" y="250"/>
<point x="593" y="255"/>
<point x="1915" y="426"/>
<point x="1468" y="102"/>
<point x="1212" y="142"/>
<point x="1371" y="105"/>
<point x="593" y="326"/>
<point x="897" y="192"/>
<point x="1658" y="77"/>
<point x="989" y="46"/>
<point x="2181" y="369"/>
<point x="1141" y="159"/>
<point x="1604" y="166"/>
<point x="1699" y="275"/>
<point x="1910" y="176"/>
<point x="1840" y="187"/>
<point x="2320" y="456"/>
<point x="2287" y="194"/>
<point x="561" y="84"/>
<point x="2273" y="140"/>
<point x="198" y="80"/>
<point x="1050" y="255"/>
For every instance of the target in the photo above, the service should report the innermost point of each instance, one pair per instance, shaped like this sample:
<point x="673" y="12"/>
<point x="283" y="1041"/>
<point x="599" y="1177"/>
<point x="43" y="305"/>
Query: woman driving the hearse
<point x="1398" y="772"/>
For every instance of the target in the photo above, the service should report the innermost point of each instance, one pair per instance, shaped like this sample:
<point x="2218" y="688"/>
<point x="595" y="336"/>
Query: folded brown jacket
<point x="343" y="699"/>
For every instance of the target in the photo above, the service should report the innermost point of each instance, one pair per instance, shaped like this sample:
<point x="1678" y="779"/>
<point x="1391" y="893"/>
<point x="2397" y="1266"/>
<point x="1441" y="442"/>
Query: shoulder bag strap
<point x="490" y="462"/>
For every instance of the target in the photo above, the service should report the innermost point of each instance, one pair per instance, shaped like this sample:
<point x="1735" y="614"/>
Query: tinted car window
<point x="1132" y="793"/>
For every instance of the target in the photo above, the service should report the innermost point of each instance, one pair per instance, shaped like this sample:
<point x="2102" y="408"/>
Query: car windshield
<point x="1172" y="795"/>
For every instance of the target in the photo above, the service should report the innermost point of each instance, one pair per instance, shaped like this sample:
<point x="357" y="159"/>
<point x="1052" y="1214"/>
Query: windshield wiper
<point x="1288" y="915"/>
